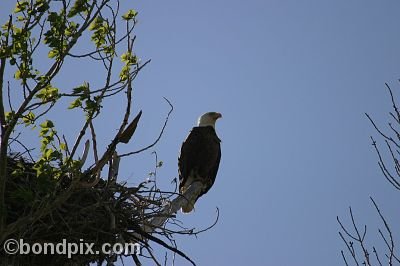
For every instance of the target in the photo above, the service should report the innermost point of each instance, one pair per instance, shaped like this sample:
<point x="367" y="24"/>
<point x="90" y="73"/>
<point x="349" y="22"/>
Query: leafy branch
<point x="49" y="196"/>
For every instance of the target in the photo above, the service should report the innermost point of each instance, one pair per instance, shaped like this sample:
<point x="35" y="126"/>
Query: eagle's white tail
<point x="188" y="206"/>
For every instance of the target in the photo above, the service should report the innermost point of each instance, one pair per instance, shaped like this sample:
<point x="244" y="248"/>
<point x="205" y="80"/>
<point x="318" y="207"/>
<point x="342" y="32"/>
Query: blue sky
<point x="293" y="80"/>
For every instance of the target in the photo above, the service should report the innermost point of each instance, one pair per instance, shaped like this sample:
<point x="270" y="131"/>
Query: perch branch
<point x="85" y="152"/>
<point x="173" y="206"/>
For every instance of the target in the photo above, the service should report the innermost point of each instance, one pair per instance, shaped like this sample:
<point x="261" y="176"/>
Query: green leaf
<point x="21" y="18"/>
<point x="84" y="88"/>
<point x="110" y="49"/>
<point x="47" y="124"/>
<point x="48" y="93"/>
<point x="43" y="132"/>
<point x="98" y="22"/>
<point x="9" y="115"/>
<point x="63" y="146"/>
<point x="100" y="28"/>
<point x="17" y="75"/>
<point x="28" y="119"/>
<point x="56" y="33"/>
<point x="130" y="14"/>
<point x="53" y="53"/>
<point x="124" y="74"/>
<point x="72" y="29"/>
<point x="41" y="5"/>
<point x="78" y="7"/>
<point x="21" y="6"/>
<point x="129" y="58"/>
<point x="48" y="154"/>
<point x="5" y="26"/>
<point x="45" y="141"/>
<point x="76" y="103"/>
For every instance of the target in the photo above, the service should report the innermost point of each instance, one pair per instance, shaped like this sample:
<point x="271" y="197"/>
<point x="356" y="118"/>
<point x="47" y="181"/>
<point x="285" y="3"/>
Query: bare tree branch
<point x="159" y="136"/>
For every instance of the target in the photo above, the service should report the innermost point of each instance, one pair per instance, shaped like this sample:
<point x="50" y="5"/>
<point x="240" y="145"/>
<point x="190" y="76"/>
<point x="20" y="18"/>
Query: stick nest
<point x="45" y="210"/>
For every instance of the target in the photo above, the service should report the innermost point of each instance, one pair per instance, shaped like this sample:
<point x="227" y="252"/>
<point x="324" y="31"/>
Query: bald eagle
<point x="199" y="158"/>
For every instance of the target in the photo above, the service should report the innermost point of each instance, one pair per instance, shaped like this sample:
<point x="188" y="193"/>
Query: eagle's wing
<point x="187" y="158"/>
<point x="200" y="155"/>
<point x="212" y="162"/>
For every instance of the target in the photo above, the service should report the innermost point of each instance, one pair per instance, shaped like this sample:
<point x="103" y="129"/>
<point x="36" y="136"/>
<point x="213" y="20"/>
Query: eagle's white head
<point x="208" y="119"/>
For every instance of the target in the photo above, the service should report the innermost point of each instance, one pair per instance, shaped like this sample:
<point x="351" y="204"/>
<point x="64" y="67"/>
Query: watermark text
<point x="20" y="247"/>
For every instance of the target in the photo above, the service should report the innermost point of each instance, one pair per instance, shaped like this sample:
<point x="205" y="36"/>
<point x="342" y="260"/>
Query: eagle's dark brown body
<point x="199" y="161"/>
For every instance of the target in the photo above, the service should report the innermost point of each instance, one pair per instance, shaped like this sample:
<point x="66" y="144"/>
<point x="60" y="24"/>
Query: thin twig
<point x="159" y="136"/>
